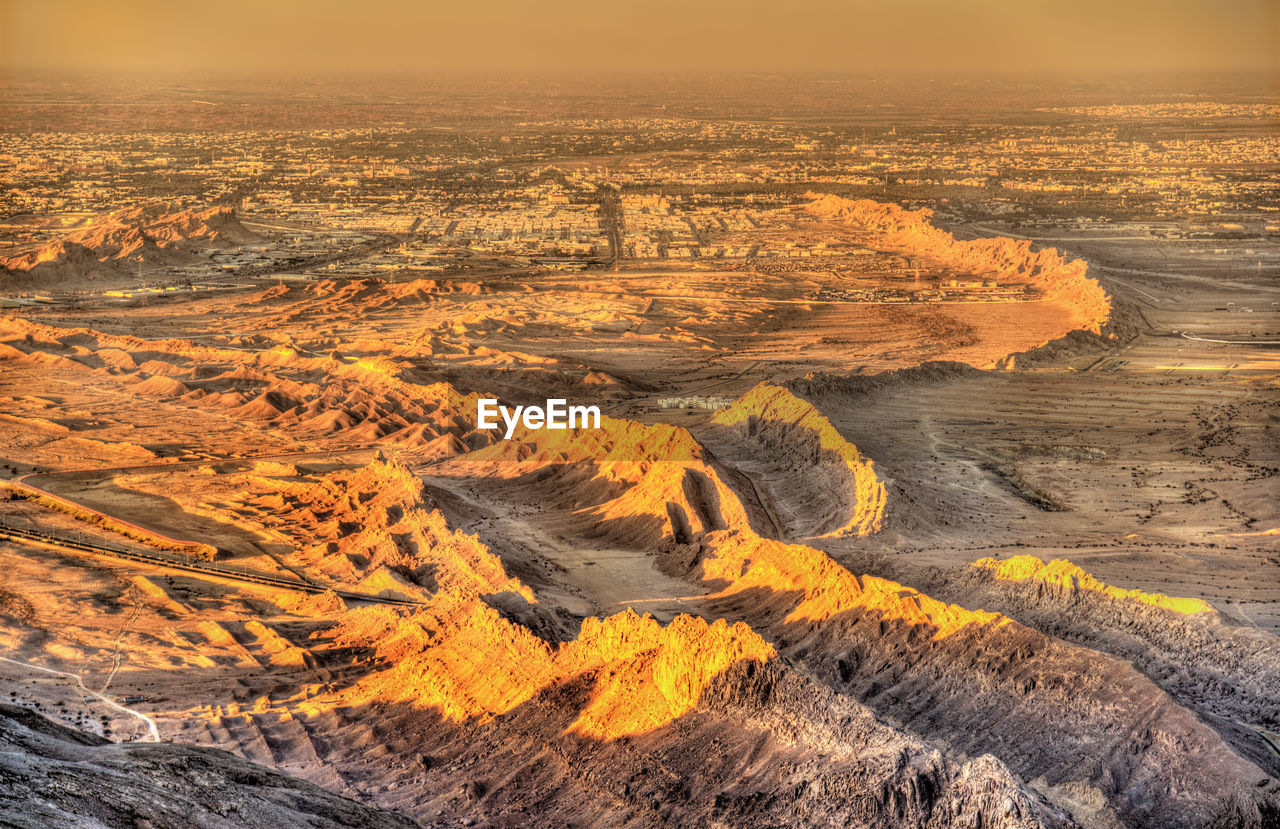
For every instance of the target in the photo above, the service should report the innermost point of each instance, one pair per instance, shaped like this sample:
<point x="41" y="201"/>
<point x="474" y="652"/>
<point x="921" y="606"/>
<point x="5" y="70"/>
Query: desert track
<point x="153" y="733"/>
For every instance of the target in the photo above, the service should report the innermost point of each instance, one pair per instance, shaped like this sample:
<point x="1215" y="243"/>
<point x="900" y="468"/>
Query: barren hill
<point x="116" y="243"/>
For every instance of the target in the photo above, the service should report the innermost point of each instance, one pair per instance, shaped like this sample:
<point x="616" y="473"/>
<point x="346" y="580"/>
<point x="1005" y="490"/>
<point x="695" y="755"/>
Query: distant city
<point x="420" y="199"/>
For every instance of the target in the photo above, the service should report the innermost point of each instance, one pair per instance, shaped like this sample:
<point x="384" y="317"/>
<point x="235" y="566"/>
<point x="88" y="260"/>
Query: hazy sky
<point x="1086" y="37"/>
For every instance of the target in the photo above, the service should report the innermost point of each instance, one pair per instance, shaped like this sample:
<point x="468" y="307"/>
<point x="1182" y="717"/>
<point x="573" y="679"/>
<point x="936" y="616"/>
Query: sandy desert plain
<point x="996" y="564"/>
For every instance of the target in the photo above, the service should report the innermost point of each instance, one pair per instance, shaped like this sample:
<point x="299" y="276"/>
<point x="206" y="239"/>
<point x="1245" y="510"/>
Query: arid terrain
<point x="1000" y="563"/>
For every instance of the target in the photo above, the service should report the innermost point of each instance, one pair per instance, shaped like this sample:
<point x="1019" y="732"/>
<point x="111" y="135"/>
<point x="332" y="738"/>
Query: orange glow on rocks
<point x="793" y="428"/>
<point x="825" y="588"/>
<point x="1061" y="575"/>
<point x="1062" y="280"/>
<point x="466" y="661"/>
<point x="398" y="532"/>
<point x="648" y="675"/>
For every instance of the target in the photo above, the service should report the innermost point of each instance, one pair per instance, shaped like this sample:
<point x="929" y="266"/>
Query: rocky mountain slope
<point x="56" y="776"/>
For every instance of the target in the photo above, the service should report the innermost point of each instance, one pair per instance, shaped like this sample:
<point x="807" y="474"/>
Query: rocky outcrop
<point x="1063" y="577"/>
<point x="821" y="467"/>
<point x="352" y="523"/>
<point x="982" y="683"/>
<point x="316" y="396"/>
<point x="464" y="660"/>
<point x="909" y="231"/>
<point x="739" y="736"/>
<point x="1228" y="673"/>
<point x="57" y="776"/>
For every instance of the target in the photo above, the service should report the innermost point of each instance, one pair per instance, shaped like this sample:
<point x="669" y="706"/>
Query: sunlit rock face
<point x="1061" y="576"/>
<point x="464" y="660"/>
<point x="831" y="468"/>
<point x="1061" y="280"/>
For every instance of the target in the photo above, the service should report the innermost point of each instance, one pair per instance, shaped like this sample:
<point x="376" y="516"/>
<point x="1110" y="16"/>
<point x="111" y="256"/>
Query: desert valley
<point x="907" y="507"/>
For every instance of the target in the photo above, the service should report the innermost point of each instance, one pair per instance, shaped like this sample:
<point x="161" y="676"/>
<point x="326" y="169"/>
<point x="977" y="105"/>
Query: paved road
<point x="1187" y="335"/>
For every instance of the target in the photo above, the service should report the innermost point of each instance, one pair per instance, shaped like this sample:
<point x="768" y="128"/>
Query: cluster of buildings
<point x="643" y="188"/>
<point x="694" y="402"/>
<point x="534" y="229"/>
<point x="945" y="290"/>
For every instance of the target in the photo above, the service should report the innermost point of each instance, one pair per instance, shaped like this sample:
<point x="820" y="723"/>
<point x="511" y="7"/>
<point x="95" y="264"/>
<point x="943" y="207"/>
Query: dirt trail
<point x="153" y="733"/>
